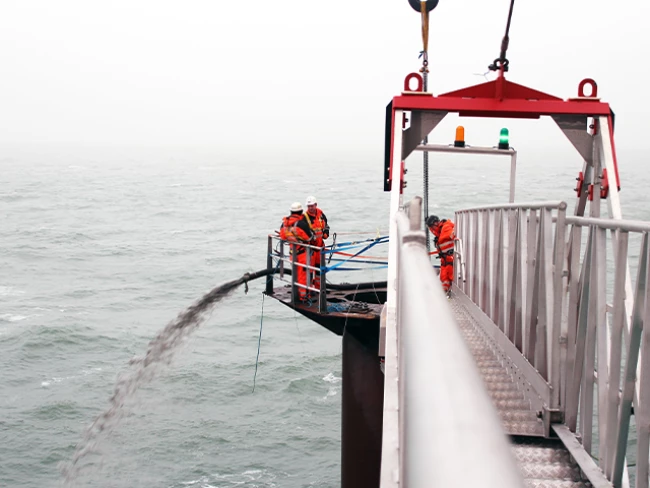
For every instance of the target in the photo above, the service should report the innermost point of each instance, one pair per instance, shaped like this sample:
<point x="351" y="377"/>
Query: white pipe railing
<point x="277" y="260"/>
<point x="450" y="432"/>
<point x="510" y="253"/>
<point x="604" y="360"/>
<point x="528" y="267"/>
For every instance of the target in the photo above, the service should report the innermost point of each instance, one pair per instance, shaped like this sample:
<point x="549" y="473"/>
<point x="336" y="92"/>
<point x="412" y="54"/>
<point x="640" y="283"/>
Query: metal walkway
<point x="544" y="463"/>
<point x="532" y="344"/>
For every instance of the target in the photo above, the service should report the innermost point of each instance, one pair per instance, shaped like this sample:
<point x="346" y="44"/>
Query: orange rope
<point x="425" y="26"/>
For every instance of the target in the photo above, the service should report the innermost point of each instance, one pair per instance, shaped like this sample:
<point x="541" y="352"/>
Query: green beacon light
<point x="503" y="139"/>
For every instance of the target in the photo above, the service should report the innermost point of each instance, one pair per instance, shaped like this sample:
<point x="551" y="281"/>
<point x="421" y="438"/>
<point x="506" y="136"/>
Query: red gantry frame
<point x="505" y="99"/>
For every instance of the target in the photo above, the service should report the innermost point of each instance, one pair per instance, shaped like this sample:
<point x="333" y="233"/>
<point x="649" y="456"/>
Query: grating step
<point x="488" y="363"/>
<point x="506" y="395"/>
<point x="502" y="386"/>
<point x="500" y="377"/>
<point x="556" y="484"/>
<point x="552" y="471"/>
<point x="519" y="415"/>
<point x="511" y="404"/>
<point x="480" y="354"/>
<point x="543" y="463"/>
<point x="534" y="454"/>
<point x="517" y="427"/>
<point x="489" y="370"/>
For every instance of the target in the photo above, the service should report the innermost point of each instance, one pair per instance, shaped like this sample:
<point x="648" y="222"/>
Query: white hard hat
<point x="311" y="200"/>
<point x="296" y="207"/>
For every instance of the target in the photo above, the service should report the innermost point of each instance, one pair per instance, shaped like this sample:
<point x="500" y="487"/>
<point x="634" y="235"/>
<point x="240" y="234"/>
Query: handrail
<point x="278" y="260"/>
<point x="601" y="346"/>
<point x="281" y="259"/>
<point x="512" y="206"/>
<point x="511" y="260"/>
<point x="610" y="224"/>
<point x="445" y="414"/>
<point x="557" y="291"/>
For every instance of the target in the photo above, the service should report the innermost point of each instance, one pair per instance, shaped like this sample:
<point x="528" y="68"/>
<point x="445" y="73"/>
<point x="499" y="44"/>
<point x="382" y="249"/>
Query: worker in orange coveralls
<point x="318" y="224"/>
<point x="295" y="229"/>
<point x="443" y="232"/>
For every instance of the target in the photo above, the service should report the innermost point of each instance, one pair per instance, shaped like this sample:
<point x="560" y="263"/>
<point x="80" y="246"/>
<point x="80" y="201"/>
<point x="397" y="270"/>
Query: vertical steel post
<point x="513" y="173"/>
<point x="309" y="274"/>
<point x="281" y="259"/>
<point x="322" y="296"/>
<point x="294" y="274"/>
<point x="269" y="267"/>
<point x="559" y="336"/>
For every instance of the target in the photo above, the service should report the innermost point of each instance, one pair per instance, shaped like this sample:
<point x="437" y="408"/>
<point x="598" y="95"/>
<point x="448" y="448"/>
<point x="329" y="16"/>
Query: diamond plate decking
<point x="544" y="463"/>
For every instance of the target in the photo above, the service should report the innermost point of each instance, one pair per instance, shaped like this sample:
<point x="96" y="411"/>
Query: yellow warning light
<point x="460" y="137"/>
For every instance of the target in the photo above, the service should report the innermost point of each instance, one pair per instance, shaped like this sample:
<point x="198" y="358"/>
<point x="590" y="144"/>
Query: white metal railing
<point x="446" y="431"/>
<point x="529" y="268"/>
<point x="510" y="253"/>
<point x="281" y="256"/>
<point x="608" y="344"/>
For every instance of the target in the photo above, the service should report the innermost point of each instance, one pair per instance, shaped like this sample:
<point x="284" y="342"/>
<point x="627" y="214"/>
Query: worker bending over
<point x="443" y="232"/>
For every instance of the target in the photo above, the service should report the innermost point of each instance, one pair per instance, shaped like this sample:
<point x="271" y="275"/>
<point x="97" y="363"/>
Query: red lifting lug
<point x="591" y="193"/>
<point x="419" y="82"/>
<point x="581" y="180"/>
<point x="604" y="185"/>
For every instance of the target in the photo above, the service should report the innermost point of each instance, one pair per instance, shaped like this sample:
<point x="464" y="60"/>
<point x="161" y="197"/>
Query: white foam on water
<point x="10" y="291"/>
<point x="86" y="372"/>
<point x="60" y="379"/>
<point x="330" y="378"/>
<point x="7" y="317"/>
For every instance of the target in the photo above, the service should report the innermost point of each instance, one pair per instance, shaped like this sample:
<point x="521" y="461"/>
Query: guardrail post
<point x="282" y="259"/>
<point x="294" y="274"/>
<point x="309" y="274"/>
<point x="322" y="296"/>
<point x="269" y="267"/>
<point x="559" y="331"/>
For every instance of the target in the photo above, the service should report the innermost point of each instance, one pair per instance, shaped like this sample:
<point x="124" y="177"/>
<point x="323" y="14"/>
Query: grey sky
<point x="222" y="73"/>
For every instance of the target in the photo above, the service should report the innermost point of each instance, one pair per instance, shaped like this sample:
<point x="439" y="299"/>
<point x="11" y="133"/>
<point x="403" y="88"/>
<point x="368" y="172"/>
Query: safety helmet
<point x="311" y="200"/>
<point x="432" y="220"/>
<point x="296" y="207"/>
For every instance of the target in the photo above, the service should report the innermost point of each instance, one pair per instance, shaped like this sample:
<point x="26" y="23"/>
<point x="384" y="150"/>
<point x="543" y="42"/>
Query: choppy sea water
<point x="101" y="250"/>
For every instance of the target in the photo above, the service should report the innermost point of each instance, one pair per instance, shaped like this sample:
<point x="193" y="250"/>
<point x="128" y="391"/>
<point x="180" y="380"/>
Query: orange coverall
<point x="318" y="224"/>
<point x="444" y="239"/>
<point x="296" y="229"/>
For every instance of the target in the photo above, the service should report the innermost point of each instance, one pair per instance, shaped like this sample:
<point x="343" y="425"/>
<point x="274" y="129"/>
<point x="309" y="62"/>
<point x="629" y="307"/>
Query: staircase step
<point x="519" y="415"/>
<point x="500" y="377"/>
<point x="544" y="463"/>
<point x="553" y="471"/>
<point x="534" y="454"/>
<point x="511" y="403"/>
<point x="502" y="386"/>
<point x="556" y="484"/>
<point x="519" y="427"/>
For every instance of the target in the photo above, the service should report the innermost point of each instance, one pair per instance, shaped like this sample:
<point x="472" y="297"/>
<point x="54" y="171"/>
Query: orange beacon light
<point x="460" y="137"/>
